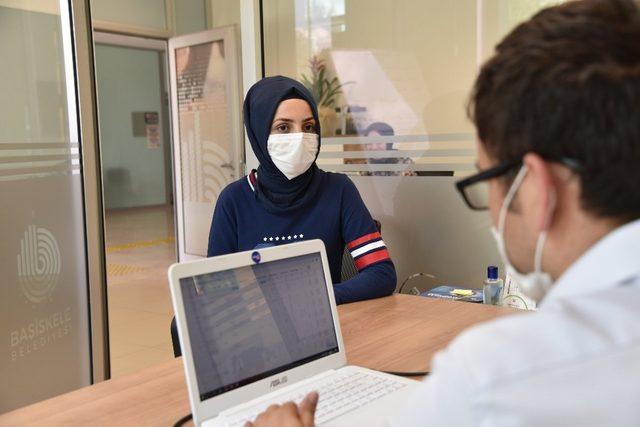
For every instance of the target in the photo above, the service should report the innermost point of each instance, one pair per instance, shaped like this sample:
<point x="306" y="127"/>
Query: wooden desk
<point x="398" y="333"/>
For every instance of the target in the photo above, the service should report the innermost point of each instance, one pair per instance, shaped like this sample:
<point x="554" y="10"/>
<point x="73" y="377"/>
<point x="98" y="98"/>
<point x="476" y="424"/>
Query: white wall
<point x="190" y="16"/>
<point x="186" y="16"/>
<point x="224" y="12"/>
<point x="139" y="13"/>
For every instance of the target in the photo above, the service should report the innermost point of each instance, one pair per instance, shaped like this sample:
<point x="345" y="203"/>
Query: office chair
<point x="348" y="271"/>
<point x="175" y="341"/>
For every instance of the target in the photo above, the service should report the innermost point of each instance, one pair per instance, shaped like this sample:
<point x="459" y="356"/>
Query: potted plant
<point x="325" y="90"/>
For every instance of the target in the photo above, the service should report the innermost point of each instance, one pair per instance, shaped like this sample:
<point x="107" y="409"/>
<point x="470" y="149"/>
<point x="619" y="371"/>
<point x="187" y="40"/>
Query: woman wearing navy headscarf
<point x="289" y="199"/>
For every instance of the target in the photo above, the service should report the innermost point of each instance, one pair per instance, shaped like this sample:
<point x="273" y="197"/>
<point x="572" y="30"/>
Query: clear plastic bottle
<point x="492" y="288"/>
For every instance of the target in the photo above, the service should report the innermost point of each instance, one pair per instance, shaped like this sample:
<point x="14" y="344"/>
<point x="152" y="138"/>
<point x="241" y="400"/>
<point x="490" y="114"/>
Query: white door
<point x="207" y="130"/>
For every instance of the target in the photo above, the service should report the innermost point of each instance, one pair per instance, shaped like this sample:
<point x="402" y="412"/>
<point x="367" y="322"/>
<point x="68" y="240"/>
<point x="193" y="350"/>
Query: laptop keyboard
<point x="339" y="393"/>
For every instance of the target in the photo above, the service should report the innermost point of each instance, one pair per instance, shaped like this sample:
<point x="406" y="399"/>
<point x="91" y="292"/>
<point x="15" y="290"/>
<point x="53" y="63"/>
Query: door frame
<point x="87" y="105"/>
<point x="252" y="58"/>
<point x="145" y="43"/>
<point x="139" y="42"/>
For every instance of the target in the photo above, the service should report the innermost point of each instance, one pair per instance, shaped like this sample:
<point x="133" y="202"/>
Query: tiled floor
<point x="140" y="248"/>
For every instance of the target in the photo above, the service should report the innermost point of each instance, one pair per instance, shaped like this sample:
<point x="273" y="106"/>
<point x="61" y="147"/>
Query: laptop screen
<point x="251" y="322"/>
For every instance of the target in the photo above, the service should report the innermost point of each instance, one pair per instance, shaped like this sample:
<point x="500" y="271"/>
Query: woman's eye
<point x="282" y="128"/>
<point x="309" y="128"/>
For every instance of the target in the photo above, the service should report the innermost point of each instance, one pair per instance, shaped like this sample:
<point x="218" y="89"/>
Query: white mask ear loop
<point x="537" y="261"/>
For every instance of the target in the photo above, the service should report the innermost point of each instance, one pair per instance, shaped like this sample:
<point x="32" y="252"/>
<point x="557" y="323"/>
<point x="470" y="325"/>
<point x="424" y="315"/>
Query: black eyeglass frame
<point x="498" y="171"/>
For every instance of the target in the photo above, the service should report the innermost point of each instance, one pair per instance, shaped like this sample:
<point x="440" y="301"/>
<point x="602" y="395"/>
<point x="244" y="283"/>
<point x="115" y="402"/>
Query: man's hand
<point x="289" y="415"/>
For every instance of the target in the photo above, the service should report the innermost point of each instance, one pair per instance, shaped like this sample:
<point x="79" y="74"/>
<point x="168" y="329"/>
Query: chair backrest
<point x="349" y="269"/>
<point x="175" y="341"/>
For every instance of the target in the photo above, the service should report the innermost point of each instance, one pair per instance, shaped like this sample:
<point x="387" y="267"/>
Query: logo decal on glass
<point x="38" y="264"/>
<point x="256" y="257"/>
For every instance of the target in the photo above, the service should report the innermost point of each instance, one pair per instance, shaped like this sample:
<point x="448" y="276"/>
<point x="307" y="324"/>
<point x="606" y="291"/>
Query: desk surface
<point x="397" y="333"/>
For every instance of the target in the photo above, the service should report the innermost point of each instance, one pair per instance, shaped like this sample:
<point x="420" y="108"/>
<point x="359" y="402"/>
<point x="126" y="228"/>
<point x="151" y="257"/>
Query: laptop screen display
<point x="248" y="323"/>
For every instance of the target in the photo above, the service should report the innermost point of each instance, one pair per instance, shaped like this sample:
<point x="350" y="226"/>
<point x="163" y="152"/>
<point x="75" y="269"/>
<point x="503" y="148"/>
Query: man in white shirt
<point x="557" y="109"/>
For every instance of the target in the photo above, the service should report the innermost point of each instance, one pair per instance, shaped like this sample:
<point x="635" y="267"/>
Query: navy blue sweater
<point x="338" y="217"/>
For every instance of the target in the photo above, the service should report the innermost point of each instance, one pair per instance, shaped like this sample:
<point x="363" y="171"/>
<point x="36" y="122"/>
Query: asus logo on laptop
<point x="279" y="381"/>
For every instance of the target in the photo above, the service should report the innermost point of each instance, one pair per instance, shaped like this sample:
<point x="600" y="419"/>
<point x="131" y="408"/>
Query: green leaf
<point x="306" y="81"/>
<point x="334" y="92"/>
<point x="322" y="80"/>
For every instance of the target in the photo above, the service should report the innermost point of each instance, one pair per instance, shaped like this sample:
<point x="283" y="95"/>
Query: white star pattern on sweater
<point x="283" y="238"/>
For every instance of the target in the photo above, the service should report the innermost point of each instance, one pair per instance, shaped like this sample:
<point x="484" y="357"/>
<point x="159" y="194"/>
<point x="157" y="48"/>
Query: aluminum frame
<point x="92" y="180"/>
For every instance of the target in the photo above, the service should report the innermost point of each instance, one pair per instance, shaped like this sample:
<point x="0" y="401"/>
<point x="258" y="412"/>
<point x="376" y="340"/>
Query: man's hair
<point x="566" y="84"/>
<point x="382" y="128"/>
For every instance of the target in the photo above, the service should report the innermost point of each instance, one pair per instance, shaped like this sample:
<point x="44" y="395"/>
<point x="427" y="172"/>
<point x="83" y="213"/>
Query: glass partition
<point x="44" y="300"/>
<point x="392" y="80"/>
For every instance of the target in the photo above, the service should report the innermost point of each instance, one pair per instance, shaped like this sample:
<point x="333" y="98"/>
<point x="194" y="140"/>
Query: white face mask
<point x="537" y="283"/>
<point x="293" y="153"/>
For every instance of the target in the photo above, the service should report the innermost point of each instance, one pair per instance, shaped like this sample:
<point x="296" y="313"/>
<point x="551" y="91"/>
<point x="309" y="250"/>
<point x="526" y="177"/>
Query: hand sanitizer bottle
<point x="492" y="288"/>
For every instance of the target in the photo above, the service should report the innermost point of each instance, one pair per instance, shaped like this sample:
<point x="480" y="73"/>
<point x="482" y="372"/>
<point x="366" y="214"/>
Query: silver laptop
<point x="261" y="327"/>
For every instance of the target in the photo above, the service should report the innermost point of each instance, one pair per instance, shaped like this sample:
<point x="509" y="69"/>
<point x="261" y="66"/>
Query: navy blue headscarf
<point x="274" y="190"/>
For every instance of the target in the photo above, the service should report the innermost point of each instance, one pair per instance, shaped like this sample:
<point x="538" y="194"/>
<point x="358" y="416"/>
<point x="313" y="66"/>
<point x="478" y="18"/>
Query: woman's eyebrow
<point x="308" y="119"/>
<point x="278" y="119"/>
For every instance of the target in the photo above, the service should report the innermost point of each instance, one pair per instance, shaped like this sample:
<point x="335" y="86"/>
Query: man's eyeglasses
<point x="475" y="189"/>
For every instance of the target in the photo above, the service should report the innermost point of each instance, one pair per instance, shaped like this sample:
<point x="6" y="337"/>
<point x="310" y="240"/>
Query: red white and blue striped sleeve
<point x="376" y="274"/>
<point x="368" y="250"/>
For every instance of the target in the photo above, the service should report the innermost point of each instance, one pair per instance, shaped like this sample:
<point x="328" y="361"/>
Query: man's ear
<point x="541" y="192"/>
